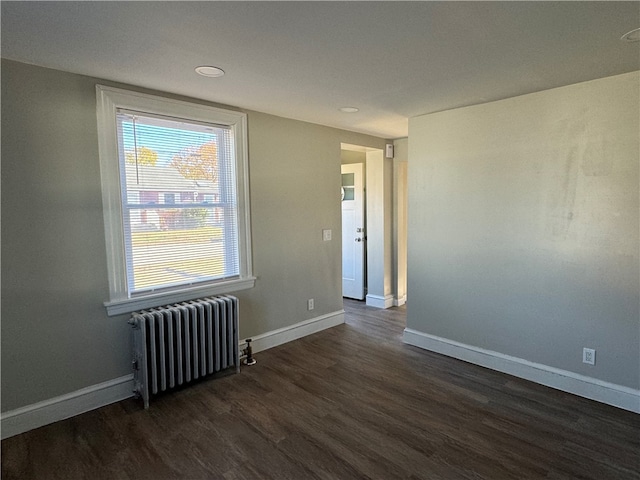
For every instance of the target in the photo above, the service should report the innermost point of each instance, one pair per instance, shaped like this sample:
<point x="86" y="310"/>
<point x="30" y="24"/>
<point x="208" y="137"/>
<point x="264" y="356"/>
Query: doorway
<point x="362" y="221"/>
<point x="374" y="242"/>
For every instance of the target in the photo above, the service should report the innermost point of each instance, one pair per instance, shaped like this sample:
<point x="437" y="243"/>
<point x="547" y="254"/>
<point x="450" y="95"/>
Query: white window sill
<point x="118" y="307"/>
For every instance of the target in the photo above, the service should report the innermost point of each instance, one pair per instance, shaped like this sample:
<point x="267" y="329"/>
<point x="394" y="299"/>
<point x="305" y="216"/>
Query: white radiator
<point x="176" y="344"/>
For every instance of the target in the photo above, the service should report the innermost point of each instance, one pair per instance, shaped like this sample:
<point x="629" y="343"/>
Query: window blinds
<point x="178" y="185"/>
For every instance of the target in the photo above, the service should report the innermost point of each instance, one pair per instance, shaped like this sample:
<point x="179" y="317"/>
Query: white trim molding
<point x="399" y="301"/>
<point x="581" y="385"/>
<point x="280" y="336"/>
<point x="130" y="305"/>
<point x="109" y="102"/>
<point x="65" y="406"/>
<point x="379" y="301"/>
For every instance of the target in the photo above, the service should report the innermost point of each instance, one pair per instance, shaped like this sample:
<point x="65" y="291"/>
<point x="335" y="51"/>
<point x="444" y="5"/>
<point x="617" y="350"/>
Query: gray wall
<point x="379" y="201"/>
<point x="523" y="227"/>
<point x="56" y="337"/>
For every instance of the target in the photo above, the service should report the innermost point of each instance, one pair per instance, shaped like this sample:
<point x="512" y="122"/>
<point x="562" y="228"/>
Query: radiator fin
<point x="180" y="343"/>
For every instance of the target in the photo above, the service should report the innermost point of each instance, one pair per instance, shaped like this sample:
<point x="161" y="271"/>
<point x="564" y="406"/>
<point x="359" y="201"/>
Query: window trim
<point x="108" y="100"/>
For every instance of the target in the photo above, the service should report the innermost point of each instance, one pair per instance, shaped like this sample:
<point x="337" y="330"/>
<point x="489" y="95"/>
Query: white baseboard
<point x="581" y="385"/>
<point x="379" y="301"/>
<point x="59" y="408"/>
<point x="277" y="337"/>
<point x="55" y="409"/>
<point x="399" y="301"/>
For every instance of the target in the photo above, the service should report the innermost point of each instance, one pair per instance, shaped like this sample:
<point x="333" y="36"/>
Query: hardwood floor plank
<point x="322" y="461"/>
<point x="350" y="402"/>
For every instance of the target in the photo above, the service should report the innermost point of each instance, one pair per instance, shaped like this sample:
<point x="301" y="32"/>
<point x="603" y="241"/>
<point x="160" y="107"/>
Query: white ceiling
<point x="304" y="60"/>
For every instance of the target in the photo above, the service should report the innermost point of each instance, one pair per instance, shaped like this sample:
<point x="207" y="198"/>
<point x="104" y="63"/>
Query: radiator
<point x="177" y="344"/>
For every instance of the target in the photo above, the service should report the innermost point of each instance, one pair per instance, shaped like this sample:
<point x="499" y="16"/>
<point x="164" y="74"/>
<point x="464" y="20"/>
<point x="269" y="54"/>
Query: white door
<point x="353" y="232"/>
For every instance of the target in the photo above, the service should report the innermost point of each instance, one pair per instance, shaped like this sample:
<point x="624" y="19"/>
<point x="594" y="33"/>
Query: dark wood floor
<point x="351" y="402"/>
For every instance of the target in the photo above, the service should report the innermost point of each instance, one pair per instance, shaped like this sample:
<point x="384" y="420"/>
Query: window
<point x="175" y="195"/>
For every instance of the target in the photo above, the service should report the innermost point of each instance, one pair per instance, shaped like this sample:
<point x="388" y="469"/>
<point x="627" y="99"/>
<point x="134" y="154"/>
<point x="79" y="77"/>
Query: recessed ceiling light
<point x="349" y="109"/>
<point x="632" y="36"/>
<point x="209" y="71"/>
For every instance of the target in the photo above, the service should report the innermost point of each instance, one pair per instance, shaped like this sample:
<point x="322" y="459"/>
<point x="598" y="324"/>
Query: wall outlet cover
<point x="589" y="356"/>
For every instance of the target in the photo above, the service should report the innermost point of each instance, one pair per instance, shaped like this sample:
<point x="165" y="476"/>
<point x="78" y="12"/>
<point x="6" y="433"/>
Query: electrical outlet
<point x="326" y="235"/>
<point x="310" y="305"/>
<point x="589" y="356"/>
